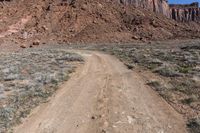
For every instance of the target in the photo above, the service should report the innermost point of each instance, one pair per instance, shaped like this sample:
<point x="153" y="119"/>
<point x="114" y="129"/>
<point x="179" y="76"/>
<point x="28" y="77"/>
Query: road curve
<point x="103" y="96"/>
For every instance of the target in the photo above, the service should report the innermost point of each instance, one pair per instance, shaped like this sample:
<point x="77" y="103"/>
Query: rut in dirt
<point x="103" y="96"/>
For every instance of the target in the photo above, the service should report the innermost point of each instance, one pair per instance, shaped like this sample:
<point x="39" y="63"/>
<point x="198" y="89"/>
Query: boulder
<point x="22" y="46"/>
<point x="36" y="43"/>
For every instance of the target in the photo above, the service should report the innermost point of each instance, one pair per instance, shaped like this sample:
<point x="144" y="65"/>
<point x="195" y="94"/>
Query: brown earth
<point x="86" y="21"/>
<point x="104" y="96"/>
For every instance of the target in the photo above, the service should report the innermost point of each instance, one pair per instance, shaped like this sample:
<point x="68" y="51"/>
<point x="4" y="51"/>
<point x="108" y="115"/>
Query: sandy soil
<point x="103" y="96"/>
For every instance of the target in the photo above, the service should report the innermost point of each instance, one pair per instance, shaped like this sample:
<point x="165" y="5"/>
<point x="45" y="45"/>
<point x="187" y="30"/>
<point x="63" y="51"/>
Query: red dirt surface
<point x="86" y="21"/>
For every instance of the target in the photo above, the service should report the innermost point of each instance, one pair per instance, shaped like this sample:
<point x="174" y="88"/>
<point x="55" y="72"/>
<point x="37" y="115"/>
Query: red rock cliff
<point x="185" y="13"/>
<point x="159" y="6"/>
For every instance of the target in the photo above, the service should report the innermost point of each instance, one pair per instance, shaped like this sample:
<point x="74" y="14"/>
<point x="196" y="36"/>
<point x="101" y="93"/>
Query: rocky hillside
<point x="87" y="21"/>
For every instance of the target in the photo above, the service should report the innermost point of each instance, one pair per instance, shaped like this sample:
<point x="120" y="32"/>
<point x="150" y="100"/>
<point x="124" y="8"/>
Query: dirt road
<point x="103" y="96"/>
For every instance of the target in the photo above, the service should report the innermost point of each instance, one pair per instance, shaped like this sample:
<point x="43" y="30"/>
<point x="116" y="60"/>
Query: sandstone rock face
<point x="178" y="12"/>
<point x="185" y="13"/>
<point x="159" y="6"/>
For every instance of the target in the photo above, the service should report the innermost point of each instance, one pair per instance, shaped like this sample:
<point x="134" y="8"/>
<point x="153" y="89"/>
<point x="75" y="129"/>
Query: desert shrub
<point x="187" y="86"/>
<point x="184" y="70"/>
<point x="191" y="99"/>
<point x="155" y="84"/>
<point x="167" y="72"/>
<point x="194" y="125"/>
<point x="129" y="66"/>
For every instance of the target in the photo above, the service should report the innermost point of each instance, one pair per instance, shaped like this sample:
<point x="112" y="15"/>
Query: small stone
<point x="22" y="46"/>
<point x="130" y="119"/>
<point x="25" y="35"/>
<point x="93" y="118"/>
<point x="84" y="7"/>
<point x="135" y="37"/>
<point x="37" y="42"/>
<point x="44" y="27"/>
<point x="103" y="131"/>
<point x="100" y="5"/>
<point x="7" y="89"/>
<point x="114" y="126"/>
<point x="11" y="77"/>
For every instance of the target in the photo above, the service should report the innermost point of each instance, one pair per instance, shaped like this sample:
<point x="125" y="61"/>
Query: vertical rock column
<point x="158" y="6"/>
<point x="185" y="13"/>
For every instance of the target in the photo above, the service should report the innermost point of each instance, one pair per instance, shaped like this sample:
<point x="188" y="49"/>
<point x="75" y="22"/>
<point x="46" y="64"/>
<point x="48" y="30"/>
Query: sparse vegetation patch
<point x="179" y="65"/>
<point x="29" y="78"/>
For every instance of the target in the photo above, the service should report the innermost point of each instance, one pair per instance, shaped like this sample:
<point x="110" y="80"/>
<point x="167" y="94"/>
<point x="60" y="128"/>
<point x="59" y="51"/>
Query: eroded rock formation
<point x="185" y="13"/>
<point x="178" y="12"/>
<point x="159" y="6"/>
